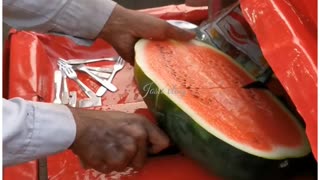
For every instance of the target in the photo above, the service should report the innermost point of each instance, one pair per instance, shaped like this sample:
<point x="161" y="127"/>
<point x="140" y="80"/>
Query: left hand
<point x="125" y="27"/>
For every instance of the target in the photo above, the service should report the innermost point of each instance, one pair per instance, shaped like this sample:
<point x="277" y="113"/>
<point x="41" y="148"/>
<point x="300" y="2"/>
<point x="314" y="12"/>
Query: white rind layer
<point x="278" y="152"/>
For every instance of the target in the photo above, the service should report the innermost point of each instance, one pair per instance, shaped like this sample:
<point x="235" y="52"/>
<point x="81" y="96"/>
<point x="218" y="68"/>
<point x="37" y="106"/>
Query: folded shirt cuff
<point x="54" y="129"/>
<point x="83" y="18"/>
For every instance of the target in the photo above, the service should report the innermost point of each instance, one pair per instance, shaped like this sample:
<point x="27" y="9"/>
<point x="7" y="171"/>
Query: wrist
<point x="119" y="21"/>
<point x="80" y="125"/>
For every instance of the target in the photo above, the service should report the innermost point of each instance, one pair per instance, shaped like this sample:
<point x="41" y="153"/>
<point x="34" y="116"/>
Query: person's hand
<point x="125" y="27"/>
<point x="112" y="141"/>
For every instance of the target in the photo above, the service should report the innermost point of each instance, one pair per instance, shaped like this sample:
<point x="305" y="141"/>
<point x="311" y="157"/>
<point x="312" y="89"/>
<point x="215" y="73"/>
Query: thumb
<point x="157" y="138"/>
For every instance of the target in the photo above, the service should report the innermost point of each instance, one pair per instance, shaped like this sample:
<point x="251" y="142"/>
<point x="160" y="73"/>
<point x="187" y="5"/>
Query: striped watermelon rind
<point x="196" y="139"/>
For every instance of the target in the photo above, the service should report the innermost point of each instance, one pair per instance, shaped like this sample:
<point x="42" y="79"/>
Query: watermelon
<point x="195" y="92"/>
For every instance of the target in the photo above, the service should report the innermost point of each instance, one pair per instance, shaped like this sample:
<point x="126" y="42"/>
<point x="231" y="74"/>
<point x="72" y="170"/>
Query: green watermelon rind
<point x="220" y="156"/>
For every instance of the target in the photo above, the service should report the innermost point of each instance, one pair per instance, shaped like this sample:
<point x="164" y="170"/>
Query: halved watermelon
<point x="196" y="93"/>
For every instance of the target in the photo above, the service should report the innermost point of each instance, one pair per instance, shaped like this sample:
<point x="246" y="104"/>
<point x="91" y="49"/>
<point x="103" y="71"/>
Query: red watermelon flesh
<point x="196" y="69"/>
<point x="206" y="84"/>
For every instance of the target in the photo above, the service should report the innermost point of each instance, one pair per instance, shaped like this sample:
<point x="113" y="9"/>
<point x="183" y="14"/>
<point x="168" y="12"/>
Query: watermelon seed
<point x="196" y="96"/>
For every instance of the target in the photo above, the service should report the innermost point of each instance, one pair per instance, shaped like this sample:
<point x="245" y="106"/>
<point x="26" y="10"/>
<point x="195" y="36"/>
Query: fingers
<point x="158" y="139"/>
<point x="115" y="140"/>
<point x="120" y="154"/>
<point x="140" y="135"/>
<point x="178" y="34"/>
<point x="125" y="49"/>
<point x="144" y="133"/>
<point x="93" y="162"/>
<point x="154" y="135"/>
<point x="101" y="166"/>
<point x="168" y="31"/>
<point x="112" y="156"/>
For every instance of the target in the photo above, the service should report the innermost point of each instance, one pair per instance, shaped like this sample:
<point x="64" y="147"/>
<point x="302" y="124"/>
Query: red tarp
<point x="286" y="31"/>
<point x="287" y="34"/>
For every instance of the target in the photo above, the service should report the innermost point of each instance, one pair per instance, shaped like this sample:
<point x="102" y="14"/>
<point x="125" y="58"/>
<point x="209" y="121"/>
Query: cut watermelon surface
<point x="192" y="65"/>
<point x="196" y="93"/>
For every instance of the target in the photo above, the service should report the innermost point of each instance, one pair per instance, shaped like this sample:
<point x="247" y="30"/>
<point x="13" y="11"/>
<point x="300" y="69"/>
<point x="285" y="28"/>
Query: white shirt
<point x="33" y="129"/>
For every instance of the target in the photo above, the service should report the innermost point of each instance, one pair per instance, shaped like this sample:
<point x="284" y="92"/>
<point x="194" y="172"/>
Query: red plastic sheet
<point x="31" y="62"/>
<point x="26" y="171"/>
<point x="287" y="33"/>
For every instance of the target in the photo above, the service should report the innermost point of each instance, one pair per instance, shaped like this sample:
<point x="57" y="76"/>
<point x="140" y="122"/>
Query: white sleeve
<point x="33" y="129"/>
<point x="80" y="18"/>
